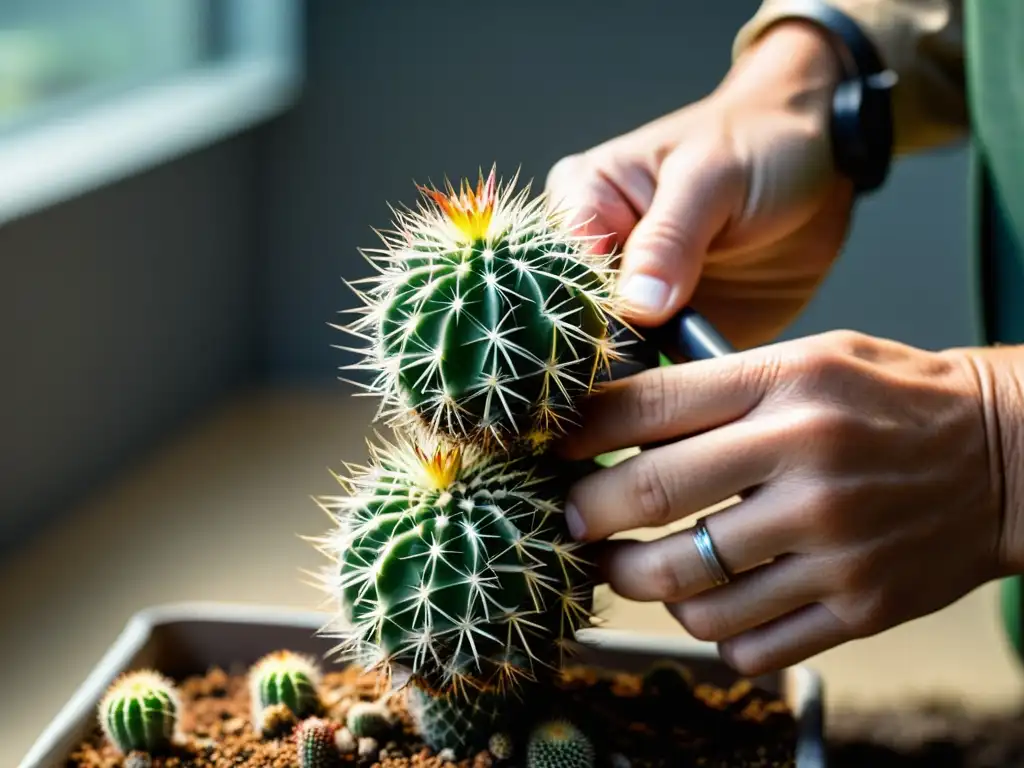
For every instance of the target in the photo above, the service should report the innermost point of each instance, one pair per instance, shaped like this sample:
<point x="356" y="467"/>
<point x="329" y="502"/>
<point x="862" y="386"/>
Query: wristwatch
<point x="861" y="130"/>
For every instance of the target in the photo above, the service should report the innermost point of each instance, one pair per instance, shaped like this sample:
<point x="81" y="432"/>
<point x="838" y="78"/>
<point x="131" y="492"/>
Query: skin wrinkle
<point x="998" y="452"/>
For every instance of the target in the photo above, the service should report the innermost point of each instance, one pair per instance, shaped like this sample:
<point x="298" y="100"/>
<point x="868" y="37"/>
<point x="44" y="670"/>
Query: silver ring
<point x="706" y="550"/>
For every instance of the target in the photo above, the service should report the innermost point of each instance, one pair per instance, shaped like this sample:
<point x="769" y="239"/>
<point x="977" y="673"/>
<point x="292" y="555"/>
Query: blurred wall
<point x="407" y="91"/>
<point x="122" y="313"/>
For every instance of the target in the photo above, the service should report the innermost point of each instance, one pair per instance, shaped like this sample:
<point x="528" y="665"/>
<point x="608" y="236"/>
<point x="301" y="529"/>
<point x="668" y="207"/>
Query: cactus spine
<point x="314" y="742"/>
<point x="559" y="744"/>
<point x="490" y="317"/>
<point x="283" y="679"/>
<point x="140" y="712"/>
<point x="455" y="565"/>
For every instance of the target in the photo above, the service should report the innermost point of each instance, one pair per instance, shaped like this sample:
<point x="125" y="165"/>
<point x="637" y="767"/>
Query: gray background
<point x="129" y="312"/>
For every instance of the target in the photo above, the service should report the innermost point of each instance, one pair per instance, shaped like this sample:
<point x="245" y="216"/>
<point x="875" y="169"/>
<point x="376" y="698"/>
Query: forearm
<point x="922" y="41"/>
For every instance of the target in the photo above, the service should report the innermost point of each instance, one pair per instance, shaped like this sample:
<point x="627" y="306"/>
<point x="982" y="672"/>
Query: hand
<point x="873" y="490"/>
<point x="737" y="191"/>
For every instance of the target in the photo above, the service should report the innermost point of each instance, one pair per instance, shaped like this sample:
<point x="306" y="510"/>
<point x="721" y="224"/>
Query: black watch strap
<point x="862" y="123"/>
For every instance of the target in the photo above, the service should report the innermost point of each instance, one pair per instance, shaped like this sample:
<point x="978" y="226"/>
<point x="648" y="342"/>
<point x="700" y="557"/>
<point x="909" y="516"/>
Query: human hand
<point x="737" y="191"/>
<point x="872" y="481"/>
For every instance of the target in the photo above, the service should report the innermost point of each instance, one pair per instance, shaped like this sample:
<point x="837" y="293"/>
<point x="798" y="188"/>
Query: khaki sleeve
<point x="922" y="41"/>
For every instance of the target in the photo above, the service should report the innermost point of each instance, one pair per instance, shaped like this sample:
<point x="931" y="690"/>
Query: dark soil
<point x="937" y="735"/>
<point x="662" y="723"/>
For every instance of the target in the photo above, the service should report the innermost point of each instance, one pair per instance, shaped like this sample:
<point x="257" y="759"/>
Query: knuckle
<point x="855" y="574"/>
<point x="701" y="620"/>
<point x="663" y="576"/>
<point x="651" y="492"/>
<point x="650" y="405"/>
<point x="828" y="435"/>
<point x="663" y="233"/>
<point x="866" y="613"/>
<point x="747" y="658"/>
<point x="564" y="169"/>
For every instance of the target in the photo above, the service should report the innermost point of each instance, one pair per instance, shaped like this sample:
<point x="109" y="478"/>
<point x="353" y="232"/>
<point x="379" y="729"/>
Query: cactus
<point x="559" y="744"/>
<point x="454" y="565"/>
<point x="462" y="724"/>
<point x="283" y="679"/>
<point x="314" y="743"/>
<point x="140" y="712"/>
<point x="501" y="746"/>
<point x="490" y="316"/>
<point x="669" y="680"/>
<point x="367" y="718"/>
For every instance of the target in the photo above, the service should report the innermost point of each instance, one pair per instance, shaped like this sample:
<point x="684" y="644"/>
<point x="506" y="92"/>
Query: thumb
<point x="697" y="192"/>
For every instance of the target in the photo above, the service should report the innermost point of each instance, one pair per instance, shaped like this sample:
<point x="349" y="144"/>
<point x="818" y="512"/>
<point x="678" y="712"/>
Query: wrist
<point x="999" y="375"/>
<point x="792" y="65"/>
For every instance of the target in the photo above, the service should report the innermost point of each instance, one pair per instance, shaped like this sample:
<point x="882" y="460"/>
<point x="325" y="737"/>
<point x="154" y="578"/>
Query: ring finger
<point x="754" y="598"/>
<point x="745" y="535"/>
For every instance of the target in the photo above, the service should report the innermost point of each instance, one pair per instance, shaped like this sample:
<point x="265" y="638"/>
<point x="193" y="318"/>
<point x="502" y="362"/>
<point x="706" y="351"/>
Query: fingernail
<point x="646" y="293"/>
<point x="575" y="521"/>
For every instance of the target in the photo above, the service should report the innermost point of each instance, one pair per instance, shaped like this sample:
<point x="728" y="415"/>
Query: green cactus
<point x="462" y="724"/>
<point x="314" y="743"/>
<point x="366" y="718"/>
<point x="140" y="712"/>
<point x="490" y="316"/>
<point x="283" y="679"/>
<point x="559" y="744"/>
<point x="455" y="566"/>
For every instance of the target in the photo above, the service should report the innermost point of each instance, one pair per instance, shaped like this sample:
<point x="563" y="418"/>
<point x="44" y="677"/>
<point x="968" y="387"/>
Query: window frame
<point x="259" y="75"/>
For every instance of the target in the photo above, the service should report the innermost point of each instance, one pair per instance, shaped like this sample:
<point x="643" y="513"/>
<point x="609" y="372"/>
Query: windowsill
<point x="64" y="159"/>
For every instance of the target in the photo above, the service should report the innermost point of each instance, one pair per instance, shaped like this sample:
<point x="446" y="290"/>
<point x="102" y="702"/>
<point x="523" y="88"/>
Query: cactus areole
<point x="456" y="566"/>
<point x="490" y="315"/>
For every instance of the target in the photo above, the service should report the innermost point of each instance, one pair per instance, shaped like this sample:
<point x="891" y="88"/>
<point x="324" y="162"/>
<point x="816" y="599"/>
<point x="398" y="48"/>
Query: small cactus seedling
<point x="490" y="315"/>
<point x="140" y="712"/>
<point x="460" y="724"/>
<point x="456" y="566"/>
<point x="366" y="718"/>
<point x="559" y="744"/>
<point x="315" y="745"/>
<point x="669" y="680"/>
<point x="501" y="746"/>
<point x="284" y="679"/>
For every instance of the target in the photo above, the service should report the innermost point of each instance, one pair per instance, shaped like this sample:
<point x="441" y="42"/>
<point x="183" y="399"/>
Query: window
<point x="91" y="90"/>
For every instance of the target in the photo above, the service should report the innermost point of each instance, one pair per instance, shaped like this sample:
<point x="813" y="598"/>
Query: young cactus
<point x="455" y="566"/>
<point x="559" y="744"/>
<point x="314" y="743"/>
<point x="283" y="679"/>
<point x="368" y="719"/>
<point x="462" y="724"/>
<point x="490" y="316"/>
<point x="140" y="712"/>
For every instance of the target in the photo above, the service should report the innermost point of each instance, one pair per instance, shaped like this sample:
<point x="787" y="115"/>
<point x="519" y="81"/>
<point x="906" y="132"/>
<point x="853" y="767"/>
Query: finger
<point x="669" y="569"/>
<point x="672" y="481"/>
<point x="599" y="202"/>
<point x="669" y="402"/>
<point x="699" y="188"/>
<point x="760" y="595"/>
<point x="784" y="642"/>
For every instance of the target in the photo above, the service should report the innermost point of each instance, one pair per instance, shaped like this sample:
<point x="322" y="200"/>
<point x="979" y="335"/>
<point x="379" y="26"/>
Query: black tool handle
<point x="691" y="335"/>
